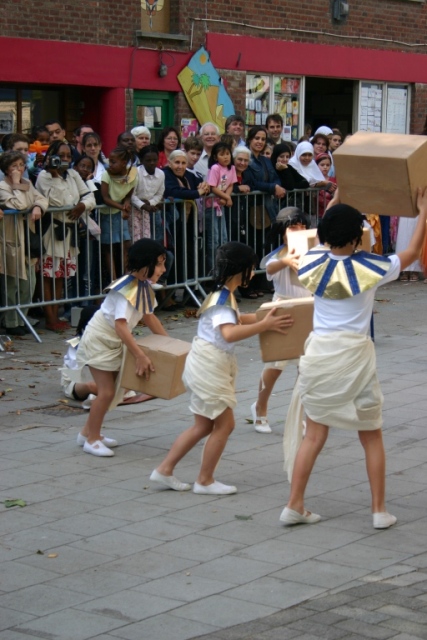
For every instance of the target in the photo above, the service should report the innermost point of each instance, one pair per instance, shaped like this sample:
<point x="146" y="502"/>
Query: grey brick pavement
<point x="99" y="553"/>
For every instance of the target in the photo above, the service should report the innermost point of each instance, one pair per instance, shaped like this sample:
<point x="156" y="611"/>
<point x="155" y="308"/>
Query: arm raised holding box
<point x="412" y="252"/>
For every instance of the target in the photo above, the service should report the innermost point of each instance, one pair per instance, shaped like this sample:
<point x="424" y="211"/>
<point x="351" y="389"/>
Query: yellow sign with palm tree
<point x="202" y="86"/>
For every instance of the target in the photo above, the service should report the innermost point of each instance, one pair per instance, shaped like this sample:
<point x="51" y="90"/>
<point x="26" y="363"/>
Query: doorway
<point x="329" y="101"/>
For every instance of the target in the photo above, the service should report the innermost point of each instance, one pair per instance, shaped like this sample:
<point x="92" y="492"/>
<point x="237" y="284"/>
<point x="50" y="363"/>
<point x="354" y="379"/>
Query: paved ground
<point x="99" y="553"/>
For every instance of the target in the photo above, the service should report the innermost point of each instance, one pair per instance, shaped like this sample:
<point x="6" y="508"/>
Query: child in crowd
<point x="324" y="162"/>
<point x="269" y="148"/>
<point x="79" y="391"/>
<point x="221" y="178"/>
<point x="118" y="183"/>
<point x="37" y="151"/>
<point x="193" y="148"/>
<point x="279" y="264"/>
<point x="338" y="384"/>
<point x="210" y="370"/>
<point x="148" y="195"/>
<point x="101" y="348"/>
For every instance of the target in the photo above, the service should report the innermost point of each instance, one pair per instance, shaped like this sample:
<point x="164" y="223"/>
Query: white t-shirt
<point x="116" y="307"/>
<point x="351" y="314"/>
<point x="283" y="286"/>
<point x="209" y="326"/>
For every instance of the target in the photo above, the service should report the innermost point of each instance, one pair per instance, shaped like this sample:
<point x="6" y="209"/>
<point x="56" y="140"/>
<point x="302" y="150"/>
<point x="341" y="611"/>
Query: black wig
<point x="340" y="225"/>
<point x="231" y="259"/>
<point x="144" y="253"/>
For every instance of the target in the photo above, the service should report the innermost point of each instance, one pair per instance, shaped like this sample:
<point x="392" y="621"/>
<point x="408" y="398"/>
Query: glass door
<point x="154" y="110"/>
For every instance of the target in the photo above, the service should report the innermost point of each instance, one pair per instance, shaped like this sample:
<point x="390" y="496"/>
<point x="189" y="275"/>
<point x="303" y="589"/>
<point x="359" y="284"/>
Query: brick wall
<point x="115" y="23"/>
<point x="418" y="108"/>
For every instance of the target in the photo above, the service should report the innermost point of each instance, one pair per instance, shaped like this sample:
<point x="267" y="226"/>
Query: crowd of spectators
<point x="149" y="190"/>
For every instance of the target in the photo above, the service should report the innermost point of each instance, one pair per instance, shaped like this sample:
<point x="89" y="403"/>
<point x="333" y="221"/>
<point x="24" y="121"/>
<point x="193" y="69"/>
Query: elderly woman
<point x="184" y="185"/>
<point x="63" y="187"/>
<point x="142" y="137"/>
<point x="16" y="261"/>
<point x="237" y="218"/>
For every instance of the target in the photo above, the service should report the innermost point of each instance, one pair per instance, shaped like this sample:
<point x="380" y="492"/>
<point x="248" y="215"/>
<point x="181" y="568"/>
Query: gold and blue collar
<point x="334" y="279"/>
<point x="280" y="252"/>
<point x="139" y="293"/>
<point x="223" y="297"/>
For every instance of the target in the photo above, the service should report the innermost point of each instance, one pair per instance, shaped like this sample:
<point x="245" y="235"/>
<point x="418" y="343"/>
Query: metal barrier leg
<point x="28" y="324"/>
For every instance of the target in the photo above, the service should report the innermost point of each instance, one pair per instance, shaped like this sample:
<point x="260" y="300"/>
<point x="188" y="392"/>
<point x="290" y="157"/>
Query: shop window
<point x="384" y="107"/>
<point x="155" y="16"/>
<point x="267" y="94"/>
<point x="22" y="108"/>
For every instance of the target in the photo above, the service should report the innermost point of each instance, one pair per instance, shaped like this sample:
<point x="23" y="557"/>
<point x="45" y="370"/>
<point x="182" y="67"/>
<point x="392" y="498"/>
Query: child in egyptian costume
<point x="278" y="264"/>
<point x="129" y="299"/>
<point x="210" y="370"/>
<point x="337" y="384"/>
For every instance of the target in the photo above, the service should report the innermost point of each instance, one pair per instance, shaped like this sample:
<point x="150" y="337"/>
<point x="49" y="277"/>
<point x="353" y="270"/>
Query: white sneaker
<point x="383" y="520"/>
<point x="97" y="448"/>
<point x="109" y="442"/>
<point x="260" y="423"/>
<point x="86" y="404"/>
<point x="214" y="489"/>
<point x="169" y="481"/>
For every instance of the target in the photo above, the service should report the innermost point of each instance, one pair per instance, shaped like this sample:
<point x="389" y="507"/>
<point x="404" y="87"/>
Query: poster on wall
<point x="371" y="104"/>
<point x="397" y="109"/>
<point x="189" y="128"/>
<point x="274" y="94"/>
<point x="257" y="99"/>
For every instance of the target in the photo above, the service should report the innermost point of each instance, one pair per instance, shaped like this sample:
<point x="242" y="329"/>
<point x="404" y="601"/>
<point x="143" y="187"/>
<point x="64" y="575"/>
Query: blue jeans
<point x="215" y="234"/>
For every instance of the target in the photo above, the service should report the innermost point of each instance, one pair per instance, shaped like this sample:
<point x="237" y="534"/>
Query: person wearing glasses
<point x="170" y="140"/>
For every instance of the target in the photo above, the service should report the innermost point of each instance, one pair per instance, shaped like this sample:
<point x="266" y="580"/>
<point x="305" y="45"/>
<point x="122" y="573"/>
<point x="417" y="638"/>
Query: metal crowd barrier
<point x="191" y="231"/>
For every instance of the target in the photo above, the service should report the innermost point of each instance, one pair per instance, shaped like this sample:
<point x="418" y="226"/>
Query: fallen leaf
<point x="40" y="553"/>
<point x="18" y="413"/>
<point x="63" y="401"/>
<point x="16" y="502"/>
<point x="188" y="573"/>
<point x="32" y="386"/>
<point x="52" y="555"/>
<point x="243" y="517"/>
<point x="56" y="353"/>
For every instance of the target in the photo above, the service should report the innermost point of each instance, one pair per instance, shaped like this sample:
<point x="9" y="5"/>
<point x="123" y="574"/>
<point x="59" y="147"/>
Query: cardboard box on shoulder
<point x="276" y="346"/>
<point x="168" y="356"/>
<point x="380" y="172"/>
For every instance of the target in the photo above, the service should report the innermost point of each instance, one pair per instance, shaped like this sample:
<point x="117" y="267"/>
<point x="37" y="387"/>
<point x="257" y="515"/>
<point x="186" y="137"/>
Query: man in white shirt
<point x="209" y="135"/>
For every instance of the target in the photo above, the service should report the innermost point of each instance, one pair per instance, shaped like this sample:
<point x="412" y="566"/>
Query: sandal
<point x="260" y="294"/>
<point x="249" y="294"/>
<point x="413" y="277"/>
<point x="404" y="276"/>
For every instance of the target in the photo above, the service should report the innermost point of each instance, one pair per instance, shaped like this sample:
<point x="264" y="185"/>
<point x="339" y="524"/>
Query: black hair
<point x="9" y="157"/>
<point x="144" y="253"/>
<point x="124" y="133"/>
<point x="35" y="131"/>
<point x="165" y="132"/>
<point x="86" y="315"/>
<point x="294" y="215"/>
<point x="253" y="131"/>
<point x="278" y="150"/>
<point x="85" y="157"/>
<point x="78" y="131"/>
<point x="149" y="148"/>
<point x="51" y="122"/>
<point x="213" y="158"/>
<point x="340" y="225"/>
<point x="91" y="134"/>
<point x="124" y="154"/>
<point x="53" y="150"/>
<point x="231" y="259"/>
<point x="274" y="117"/>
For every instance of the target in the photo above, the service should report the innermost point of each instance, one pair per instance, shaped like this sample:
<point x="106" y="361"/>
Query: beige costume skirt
<point x="101" y="348"/>
<point x="337" y="386"/>
<point x="210" y="375"/>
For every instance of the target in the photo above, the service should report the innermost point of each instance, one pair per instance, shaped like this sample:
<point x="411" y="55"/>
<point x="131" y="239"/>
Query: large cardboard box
<point x="380" y="172"/>
<point x="276" y="346"/>
<point x="168" y="357"/>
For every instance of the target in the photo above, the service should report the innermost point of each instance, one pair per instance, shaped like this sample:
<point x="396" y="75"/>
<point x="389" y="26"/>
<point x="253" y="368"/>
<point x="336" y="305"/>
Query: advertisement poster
<point x="189" y="127"/>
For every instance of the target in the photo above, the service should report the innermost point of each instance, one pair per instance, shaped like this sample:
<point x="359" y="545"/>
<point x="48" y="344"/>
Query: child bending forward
<point x="210" y="370"/>
<point x="101" y="348"/>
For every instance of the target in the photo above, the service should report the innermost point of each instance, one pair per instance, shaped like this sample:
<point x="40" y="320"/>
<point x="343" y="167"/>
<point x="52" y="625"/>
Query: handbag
<point x="33" y="247"/>
<point x="258" y="217"/>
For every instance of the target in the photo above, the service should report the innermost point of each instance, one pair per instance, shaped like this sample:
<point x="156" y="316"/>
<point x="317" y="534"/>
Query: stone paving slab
<point x="134" y="562"/>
